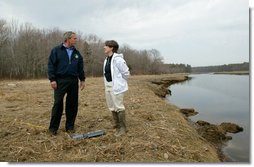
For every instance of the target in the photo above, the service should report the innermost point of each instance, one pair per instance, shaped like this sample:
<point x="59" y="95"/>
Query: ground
<point x="157" y="131"/>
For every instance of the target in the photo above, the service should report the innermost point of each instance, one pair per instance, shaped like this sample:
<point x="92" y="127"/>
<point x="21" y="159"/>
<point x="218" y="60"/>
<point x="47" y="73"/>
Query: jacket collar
<point x="63" y="47"/>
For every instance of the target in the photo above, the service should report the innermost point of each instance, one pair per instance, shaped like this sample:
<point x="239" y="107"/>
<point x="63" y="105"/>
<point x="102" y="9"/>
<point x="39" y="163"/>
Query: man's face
<point x="72" y="41"/>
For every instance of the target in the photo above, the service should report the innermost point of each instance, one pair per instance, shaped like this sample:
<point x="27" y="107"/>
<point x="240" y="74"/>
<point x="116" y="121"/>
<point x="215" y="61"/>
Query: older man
<point x="65" y="69"/>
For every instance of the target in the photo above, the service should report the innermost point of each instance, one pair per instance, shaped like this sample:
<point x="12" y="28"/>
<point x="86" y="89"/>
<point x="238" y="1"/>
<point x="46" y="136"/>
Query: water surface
<point x="219" y="98"/>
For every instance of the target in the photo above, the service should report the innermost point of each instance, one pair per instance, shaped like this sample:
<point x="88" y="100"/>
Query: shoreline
<point x="219" y="138"/>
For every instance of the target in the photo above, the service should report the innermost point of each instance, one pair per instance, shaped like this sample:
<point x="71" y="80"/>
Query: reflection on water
<point x="219" y="98"/>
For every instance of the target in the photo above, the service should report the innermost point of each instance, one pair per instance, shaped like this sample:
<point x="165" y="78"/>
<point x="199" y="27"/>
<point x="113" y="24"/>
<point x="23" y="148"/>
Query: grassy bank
<point x="157" y="131"/>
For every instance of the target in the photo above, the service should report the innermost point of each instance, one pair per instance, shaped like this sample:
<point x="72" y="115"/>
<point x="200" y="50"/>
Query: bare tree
<point x="157" y="61"/>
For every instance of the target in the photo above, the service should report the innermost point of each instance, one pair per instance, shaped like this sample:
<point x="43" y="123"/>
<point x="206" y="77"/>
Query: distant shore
<point x="234" y="72"/>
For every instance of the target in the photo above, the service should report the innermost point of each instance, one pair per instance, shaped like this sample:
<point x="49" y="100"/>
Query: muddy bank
<point x="157" y="131"/>
<point x="160" y="85"/>
<point x="217" y="135"/>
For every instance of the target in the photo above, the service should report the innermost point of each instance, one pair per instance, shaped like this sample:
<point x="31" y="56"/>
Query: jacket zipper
<point x="70" y="60"/>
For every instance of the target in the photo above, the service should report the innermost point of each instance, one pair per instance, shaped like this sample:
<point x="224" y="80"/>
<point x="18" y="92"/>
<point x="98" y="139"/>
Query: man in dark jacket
<point x="65" y="69"/>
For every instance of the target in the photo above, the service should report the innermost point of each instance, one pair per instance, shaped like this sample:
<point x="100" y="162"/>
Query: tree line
<point x="24" y="52"/>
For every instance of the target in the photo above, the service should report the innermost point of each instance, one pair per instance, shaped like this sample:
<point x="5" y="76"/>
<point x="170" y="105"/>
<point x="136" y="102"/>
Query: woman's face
<point x="108" y="50"/>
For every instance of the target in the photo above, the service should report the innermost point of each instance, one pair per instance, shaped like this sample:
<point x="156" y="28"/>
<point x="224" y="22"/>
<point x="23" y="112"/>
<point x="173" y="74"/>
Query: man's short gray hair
<point x="67" y="35"/>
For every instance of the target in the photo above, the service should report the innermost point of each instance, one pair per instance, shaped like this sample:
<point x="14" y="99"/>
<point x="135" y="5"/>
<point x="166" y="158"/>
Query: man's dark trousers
<point x="65" y="85"/>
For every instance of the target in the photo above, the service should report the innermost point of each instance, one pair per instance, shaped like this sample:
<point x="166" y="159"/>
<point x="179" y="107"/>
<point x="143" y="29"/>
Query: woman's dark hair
<point x="112" y="44"/>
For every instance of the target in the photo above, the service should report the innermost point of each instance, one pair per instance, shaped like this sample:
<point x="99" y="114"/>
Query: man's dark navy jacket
<point x="60" y="66"/>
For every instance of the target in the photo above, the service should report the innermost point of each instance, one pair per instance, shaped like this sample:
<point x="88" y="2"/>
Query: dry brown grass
<point x="157" y="131"/>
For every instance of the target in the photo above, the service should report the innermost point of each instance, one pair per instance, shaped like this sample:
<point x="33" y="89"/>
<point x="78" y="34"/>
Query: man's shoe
<point x="52" y="132"/>
<point x="70" y="131"/>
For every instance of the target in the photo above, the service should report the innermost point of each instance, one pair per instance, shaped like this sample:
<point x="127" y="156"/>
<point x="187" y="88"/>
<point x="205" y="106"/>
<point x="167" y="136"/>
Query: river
<point x="219" y="98"/>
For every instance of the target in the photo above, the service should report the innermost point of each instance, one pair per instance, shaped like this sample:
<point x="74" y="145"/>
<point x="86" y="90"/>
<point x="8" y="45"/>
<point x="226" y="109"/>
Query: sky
<point x="194" y="32"/>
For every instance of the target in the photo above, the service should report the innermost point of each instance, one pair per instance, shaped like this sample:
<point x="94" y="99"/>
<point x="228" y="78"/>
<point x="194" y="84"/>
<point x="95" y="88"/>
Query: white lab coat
<point x="119" y="72"/>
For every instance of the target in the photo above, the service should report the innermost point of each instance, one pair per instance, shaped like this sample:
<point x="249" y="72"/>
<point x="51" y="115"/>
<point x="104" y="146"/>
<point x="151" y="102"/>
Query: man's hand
<point x="53" y="84"/>
<point x="82" y="85"/>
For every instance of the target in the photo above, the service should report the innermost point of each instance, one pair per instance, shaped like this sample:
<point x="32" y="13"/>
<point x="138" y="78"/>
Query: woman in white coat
<point x="116" y="73"/>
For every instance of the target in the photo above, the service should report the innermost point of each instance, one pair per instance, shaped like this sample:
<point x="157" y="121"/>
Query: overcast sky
<point x="194" y="32"/>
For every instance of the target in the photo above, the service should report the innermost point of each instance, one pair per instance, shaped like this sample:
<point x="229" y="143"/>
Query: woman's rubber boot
<point x="122" y="122"/>
<point x="115" y="120"/>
